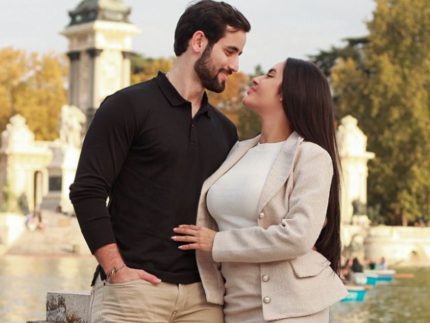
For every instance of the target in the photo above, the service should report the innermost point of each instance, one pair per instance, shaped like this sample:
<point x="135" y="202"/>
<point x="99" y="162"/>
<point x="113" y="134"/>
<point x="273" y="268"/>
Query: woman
<point x="275" y="201"/>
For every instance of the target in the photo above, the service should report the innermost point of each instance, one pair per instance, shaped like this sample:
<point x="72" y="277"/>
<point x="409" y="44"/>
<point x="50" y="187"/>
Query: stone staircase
<point x="60" y="235"/>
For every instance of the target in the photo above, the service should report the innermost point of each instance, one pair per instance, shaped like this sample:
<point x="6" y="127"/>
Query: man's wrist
<point x="112" y="272"/>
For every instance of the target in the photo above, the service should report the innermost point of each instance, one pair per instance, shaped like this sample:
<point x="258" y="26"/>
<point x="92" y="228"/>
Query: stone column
<point x="126" y="65"/>
<point x="354" y="157"/>
<point x="73" y="97"/>
<point x="93" y="82"/>
<point x="68" y="173"/>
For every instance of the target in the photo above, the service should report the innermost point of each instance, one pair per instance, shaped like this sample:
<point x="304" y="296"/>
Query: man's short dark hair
<point x="210" y="17"/>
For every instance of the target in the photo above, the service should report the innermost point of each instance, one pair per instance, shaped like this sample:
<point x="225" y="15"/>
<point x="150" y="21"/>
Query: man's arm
<point x="104" y="151"/>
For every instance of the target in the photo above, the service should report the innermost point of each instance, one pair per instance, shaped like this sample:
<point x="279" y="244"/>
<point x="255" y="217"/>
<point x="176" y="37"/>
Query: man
<point x="149" y="149"/>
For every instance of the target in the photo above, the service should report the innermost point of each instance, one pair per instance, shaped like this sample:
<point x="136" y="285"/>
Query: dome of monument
<point x="92" y="10"/>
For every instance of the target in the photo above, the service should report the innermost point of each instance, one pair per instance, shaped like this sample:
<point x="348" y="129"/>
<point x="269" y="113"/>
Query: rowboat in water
<point x="379" y="275"/>
<point x="355" y="294"/>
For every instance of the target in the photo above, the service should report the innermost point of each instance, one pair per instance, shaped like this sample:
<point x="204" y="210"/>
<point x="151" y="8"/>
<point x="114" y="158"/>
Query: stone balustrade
<point x="67" y="307"/>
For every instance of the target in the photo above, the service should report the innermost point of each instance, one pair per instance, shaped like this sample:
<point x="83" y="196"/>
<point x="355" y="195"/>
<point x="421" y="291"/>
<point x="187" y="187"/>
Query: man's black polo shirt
<point x="146" y="152"/>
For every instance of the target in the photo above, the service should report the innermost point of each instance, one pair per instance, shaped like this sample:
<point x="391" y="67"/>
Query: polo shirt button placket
<point x="193" y="135"/>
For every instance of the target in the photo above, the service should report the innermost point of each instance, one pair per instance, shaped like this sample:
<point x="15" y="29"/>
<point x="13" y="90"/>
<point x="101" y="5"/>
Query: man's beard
<point x="207" y="72"/>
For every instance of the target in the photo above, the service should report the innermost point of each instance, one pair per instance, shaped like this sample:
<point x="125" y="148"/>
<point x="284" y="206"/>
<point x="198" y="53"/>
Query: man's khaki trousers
<point x="143" y="302"/>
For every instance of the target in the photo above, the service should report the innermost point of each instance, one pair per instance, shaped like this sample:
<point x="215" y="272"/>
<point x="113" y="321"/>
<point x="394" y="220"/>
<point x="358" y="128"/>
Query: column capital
<point x="74" y="55"/>
<point x="126" y="55"/>
<point x="94" y="52"/>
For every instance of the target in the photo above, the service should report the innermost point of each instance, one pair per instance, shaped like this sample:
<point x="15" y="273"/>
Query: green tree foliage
<point x="32" y="85"/>
<point x="325" y="60"/>
<point x="388" y="90"/>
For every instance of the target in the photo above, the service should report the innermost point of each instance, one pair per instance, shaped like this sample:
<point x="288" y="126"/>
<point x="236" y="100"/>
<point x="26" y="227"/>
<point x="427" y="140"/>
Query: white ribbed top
<point x="233" y="199"/>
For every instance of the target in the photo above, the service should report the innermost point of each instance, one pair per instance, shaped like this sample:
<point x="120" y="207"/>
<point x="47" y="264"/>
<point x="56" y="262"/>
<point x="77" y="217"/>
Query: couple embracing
<point x="201" y="227"/>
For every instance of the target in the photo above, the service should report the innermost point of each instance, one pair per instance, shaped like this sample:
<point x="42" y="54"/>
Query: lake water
<point x="400" y="301"/>
<point x="24" y="281"/>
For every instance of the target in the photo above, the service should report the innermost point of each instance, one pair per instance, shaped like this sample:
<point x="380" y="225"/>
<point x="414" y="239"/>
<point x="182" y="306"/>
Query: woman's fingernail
<point x="173" y="238"/>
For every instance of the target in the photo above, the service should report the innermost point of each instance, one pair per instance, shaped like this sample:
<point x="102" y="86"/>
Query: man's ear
<point x="198" y="42"/>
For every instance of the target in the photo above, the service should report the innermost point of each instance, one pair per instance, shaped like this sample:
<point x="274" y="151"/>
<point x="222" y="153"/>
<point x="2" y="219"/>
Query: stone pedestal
<point x="23" y="166"/>
<point x="68" y="171"/>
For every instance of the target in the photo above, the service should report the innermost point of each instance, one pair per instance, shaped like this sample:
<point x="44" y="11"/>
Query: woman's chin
<point x="246" y="102"/>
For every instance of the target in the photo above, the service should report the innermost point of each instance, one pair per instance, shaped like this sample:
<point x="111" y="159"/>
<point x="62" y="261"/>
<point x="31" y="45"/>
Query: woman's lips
<point x="251" y="89"/>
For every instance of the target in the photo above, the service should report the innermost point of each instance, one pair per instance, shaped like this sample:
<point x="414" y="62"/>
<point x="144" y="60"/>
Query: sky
<point x="280" y="28"/>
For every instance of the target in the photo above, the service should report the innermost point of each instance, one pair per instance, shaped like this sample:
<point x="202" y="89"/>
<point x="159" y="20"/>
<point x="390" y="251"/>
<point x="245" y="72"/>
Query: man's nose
<point x="234" y="64"/>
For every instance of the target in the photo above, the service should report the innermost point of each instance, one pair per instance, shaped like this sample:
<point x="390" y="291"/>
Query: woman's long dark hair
<point x="309" y="108"/>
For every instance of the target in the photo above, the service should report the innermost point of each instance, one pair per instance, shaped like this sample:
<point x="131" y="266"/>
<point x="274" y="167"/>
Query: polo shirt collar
<point x="175" y="99"/>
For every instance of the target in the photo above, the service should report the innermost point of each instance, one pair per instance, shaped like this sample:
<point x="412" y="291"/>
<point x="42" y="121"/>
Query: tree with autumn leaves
<point x="33" y="85"/>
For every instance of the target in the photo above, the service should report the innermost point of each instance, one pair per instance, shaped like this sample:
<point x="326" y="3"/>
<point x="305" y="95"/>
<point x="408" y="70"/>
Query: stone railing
<point x="403" y="245"/>
<point x="67" y="307"/>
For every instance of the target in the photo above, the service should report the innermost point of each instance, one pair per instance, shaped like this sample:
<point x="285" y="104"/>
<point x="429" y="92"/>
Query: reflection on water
<point x="24" y="281"/>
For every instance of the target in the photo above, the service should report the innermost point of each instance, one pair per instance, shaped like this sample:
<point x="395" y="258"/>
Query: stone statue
<point x="359" y="208"/>
<point x="354" y="156"/>
<point x="71" y="124"/>
<point x="17" y="136"/>
<point x="350" y="138"/>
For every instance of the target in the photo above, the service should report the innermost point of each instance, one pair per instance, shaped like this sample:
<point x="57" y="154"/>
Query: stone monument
<point x="100" y="40"/>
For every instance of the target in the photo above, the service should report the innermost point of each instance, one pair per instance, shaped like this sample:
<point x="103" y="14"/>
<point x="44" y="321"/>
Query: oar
<point x="404" y="275"/>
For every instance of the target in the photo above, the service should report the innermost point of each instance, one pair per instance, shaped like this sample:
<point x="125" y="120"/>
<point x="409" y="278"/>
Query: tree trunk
<point x="404" y="220"/>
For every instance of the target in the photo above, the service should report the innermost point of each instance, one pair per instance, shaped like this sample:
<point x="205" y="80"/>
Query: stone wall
<point x="399" y="245"/>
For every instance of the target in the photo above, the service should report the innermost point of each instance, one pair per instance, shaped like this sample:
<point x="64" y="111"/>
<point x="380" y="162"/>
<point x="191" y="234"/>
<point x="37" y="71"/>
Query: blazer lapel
<point x="236" y="154"/>
<point x="280" y="170"/>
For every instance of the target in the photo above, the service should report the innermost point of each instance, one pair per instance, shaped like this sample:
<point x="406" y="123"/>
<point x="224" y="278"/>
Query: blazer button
<point x="261" y="215"/>
<point x="267" y="300"/>
<point x="265" y="278"/>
